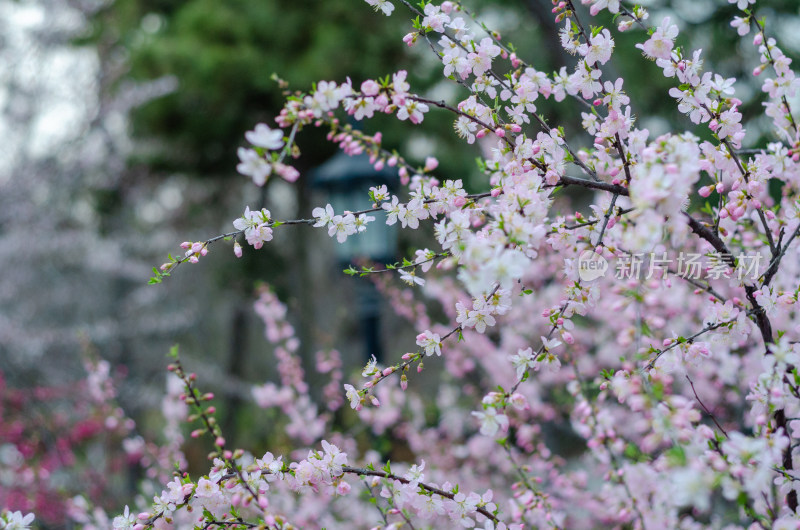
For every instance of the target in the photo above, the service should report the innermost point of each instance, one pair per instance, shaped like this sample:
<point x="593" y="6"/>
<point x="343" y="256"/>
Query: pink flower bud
<point x="186" y="244"/>
<point x="705" y="191"/>
<point x="370" y="88"/>
<point x="481" y="133"/>
<point x="404" y="179"/>
<point x="237" y="249"/>
<point x="431" y="163"/>
<point x="496" y="192"/>
<point x="518" y="401"/>
<point x="410" y="39"/>
<point x="458" y="202"/>
<point x="388" y="371"/>
<point x="500" y="132"/>
<point x="758" y="39"/>
<point x="220" y="441"/>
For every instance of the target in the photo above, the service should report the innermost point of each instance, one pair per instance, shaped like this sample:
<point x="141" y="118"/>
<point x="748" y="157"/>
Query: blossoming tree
<point x="657" y="322"/>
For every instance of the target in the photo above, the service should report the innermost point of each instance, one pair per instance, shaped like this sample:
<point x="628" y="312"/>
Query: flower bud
<point x="431" y="163"/>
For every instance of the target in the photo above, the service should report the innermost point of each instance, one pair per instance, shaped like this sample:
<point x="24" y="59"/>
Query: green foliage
<point x="224" y="56"/>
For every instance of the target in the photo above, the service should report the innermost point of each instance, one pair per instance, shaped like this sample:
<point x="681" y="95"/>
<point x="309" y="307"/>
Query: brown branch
<point x="432" y="489"/>
<point x="710" y="414"/>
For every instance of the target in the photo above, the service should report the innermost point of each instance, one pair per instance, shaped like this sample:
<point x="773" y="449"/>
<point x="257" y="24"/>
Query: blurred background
<point x="119" y="124"/>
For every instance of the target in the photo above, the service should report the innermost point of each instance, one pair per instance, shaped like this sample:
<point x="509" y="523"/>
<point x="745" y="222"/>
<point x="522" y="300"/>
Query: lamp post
<point x="347" y="179"/>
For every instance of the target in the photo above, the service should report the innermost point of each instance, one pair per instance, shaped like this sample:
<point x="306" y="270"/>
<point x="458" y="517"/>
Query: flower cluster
<point x="340" y="225"/>
<point x="683" y="392"/>
<point x="256" y="227"/>
<point x="252" y="162"/>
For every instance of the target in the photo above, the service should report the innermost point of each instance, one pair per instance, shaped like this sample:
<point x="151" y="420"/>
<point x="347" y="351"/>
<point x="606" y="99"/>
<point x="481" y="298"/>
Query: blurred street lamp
<point x="347" y="179"/>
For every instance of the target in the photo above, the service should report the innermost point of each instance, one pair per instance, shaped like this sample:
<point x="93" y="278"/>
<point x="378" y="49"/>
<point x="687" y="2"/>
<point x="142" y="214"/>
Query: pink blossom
<point x="660" y="43"/>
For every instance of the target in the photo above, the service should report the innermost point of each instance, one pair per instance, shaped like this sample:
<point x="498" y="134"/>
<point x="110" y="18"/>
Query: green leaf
<point x="676" y="456"/>
<point x="741" y="500"/>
